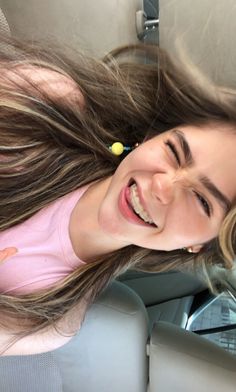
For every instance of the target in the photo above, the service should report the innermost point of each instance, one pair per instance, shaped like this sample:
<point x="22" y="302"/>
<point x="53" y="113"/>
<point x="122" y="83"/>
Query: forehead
<point x="210" y="143"/>
<point x="212" y="131"/>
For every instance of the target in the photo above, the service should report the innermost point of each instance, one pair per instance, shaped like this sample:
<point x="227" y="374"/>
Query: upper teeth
<point x="137" y="206"/>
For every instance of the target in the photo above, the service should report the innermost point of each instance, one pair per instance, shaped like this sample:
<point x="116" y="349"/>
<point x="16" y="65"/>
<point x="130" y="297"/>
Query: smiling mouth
<point x="136" y="205"/>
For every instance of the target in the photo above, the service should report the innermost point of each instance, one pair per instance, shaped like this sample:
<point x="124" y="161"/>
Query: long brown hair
<point x="53" y="148"/>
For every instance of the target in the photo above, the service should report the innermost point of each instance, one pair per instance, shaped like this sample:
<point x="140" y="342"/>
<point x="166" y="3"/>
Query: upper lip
<point x="140" y="195"/>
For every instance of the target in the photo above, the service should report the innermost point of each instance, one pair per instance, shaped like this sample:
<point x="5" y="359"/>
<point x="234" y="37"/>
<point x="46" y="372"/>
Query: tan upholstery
<point x="175" y="312"/>
<point x="155" y="288"/>
<point x="95" y="26"/>
<point x="181" y="361"/>
<point x="108" y="354"/>
<point x="4" y="27"/>
<point x="112" y="352"/>
<point x="207" y="30"/>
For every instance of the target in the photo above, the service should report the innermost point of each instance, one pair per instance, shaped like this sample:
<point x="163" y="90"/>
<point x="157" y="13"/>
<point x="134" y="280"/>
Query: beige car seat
<point x="93" y="26"/>
<point x="112" y="351"/>
<point x="205" y="30"/>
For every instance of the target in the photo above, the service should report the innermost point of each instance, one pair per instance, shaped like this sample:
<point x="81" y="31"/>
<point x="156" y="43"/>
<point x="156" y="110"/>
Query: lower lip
<point x="126" y="210"/>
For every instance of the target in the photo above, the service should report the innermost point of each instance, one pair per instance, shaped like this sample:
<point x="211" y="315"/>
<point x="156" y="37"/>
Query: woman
<point x="73" y="213"/>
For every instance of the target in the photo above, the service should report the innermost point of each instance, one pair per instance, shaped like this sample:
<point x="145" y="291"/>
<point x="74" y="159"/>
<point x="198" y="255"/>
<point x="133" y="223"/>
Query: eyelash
<point x="200" y="198"/>
<point x="204" y="203"/>
<point x="173" y="150"/>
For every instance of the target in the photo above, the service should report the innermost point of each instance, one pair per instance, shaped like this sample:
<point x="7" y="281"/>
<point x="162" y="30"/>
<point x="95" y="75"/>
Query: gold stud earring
<point x="190" y="250"/>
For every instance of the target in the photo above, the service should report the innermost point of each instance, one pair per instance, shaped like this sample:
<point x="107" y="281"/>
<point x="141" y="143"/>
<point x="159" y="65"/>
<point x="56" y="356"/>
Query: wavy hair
<point x="52" y="148"/>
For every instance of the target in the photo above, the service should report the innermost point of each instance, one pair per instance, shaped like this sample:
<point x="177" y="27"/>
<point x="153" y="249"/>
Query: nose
<point x="163" y="187"/>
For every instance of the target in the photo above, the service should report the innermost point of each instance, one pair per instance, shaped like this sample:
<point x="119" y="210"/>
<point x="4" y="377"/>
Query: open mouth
<point x="136" y="205"/>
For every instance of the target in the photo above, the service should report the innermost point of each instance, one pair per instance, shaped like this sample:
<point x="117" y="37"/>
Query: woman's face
<point x="180" y="182"/>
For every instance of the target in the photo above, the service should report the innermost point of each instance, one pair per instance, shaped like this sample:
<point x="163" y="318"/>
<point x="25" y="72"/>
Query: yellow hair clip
<point x="118" y="148"/>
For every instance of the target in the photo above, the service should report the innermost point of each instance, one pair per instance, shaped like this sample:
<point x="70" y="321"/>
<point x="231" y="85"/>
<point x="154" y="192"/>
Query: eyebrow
<point x="184" y="146"/>
<point x="205" y="181"/>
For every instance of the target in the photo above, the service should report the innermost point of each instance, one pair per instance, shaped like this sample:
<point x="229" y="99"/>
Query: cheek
<point x="107" y="219"/>
<point x="187" y="228"/>
<point x="143" y="158"/>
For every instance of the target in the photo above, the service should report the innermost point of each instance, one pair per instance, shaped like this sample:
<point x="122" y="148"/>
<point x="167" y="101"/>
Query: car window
<point x="221" y="312"/>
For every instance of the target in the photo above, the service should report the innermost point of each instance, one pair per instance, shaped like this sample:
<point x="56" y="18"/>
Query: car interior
<point x="137" y="336"/>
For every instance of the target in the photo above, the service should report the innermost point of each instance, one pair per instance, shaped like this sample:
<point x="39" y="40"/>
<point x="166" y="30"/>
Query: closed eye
<point x="204" y="204"/>
<point x="173" y="149"/>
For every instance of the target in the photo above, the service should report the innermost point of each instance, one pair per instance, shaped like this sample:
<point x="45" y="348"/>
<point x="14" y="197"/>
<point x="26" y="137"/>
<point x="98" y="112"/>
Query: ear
<point x="195" y="248"/>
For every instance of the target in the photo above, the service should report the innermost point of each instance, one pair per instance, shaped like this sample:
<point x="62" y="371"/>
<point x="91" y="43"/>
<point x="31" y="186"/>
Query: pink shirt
<point x="45" y="253"/>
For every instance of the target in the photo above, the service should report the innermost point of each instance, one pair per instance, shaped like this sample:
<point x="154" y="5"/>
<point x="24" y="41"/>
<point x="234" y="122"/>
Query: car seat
<point x="94" y="27"/>
<point x="112" y="351"/>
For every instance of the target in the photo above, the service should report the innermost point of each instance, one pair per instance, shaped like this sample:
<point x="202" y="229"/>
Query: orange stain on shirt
<point x="7" y="252"/>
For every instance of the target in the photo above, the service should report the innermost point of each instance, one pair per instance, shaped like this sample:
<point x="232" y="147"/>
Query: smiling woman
<point x="179" y="192"/>
<point x="78" y="215"/>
